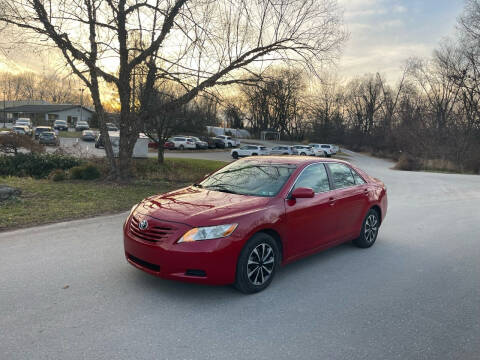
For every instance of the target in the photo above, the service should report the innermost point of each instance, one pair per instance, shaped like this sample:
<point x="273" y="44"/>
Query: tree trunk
<point x="161" y="155"/>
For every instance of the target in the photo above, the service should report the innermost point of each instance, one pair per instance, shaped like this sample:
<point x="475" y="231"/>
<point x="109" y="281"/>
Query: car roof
<point x="296" y="160"/>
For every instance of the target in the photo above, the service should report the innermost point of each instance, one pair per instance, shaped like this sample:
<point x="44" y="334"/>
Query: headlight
<point x="207" y="233"/>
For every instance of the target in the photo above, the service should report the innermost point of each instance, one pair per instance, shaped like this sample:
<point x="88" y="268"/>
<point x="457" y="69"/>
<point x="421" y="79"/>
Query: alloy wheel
<point x="261" y="263"/>
<point x="371" y="228"/>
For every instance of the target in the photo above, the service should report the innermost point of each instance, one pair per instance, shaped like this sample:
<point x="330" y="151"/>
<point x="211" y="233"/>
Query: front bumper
<point x="208" y="262"/>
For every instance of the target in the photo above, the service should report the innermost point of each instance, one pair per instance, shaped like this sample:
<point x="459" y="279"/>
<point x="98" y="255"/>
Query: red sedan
<point x="245" y="220"/>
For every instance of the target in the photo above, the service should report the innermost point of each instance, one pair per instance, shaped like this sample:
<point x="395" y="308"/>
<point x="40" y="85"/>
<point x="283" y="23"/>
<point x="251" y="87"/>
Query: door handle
<point x="366" y="192"/>
<point x="332" y="201"/>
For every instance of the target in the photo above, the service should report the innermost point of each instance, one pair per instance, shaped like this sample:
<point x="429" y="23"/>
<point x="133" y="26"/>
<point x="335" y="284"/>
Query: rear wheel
<point x="369" y="232"/>
<point x="257" y="264"/>
<point x="303" y="154"/>
<point x="181" y="147"/>
<point x="254" y="154"/>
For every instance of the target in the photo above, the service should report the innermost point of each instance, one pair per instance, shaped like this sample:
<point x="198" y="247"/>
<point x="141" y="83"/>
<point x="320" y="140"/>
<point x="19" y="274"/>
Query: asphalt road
<point x="66" y="291"/>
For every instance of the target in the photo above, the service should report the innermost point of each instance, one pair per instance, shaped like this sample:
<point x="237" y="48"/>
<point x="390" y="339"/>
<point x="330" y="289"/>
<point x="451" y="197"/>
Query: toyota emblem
<point x="143" y="224"/>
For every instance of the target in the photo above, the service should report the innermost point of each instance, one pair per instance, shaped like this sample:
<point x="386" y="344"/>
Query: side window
<point x="341" y="176"/>
<point x="244" y="148"/>
<point x="358" y="179"/>
<point x="314" y="177"/>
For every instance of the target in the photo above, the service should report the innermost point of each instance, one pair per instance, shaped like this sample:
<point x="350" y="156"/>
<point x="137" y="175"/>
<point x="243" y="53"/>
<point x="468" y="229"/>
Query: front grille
<point x="155" y="232"/>
<point x="143" y="263"/>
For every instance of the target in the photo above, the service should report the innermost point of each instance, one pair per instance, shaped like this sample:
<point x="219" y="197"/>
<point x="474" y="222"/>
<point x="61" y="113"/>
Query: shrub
<point x="84" y="172"/>
<point x="90" y="172"/>
<point x="11" y="143"/>
<point x="408" y="163"/>
<point x="58" y="175"/>
<point x="35" y="165"/>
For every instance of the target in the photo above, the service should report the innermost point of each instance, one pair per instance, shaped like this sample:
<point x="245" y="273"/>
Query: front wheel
<point x="181" y="147"/>
<point x="369" y="232"/>
<point x="257" y="264"/>
<point x="235" y="155"/>
<point x="303" y="154"/>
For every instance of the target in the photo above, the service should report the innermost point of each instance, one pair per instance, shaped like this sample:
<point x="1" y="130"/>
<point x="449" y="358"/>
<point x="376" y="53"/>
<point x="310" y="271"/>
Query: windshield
<point x="252" y="178"/>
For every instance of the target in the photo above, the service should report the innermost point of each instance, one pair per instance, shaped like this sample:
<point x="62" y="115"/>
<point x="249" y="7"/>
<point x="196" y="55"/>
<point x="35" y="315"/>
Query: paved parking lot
<point x="67" y="293"/>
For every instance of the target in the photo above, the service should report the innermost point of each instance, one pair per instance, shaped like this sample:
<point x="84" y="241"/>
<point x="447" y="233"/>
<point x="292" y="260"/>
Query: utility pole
<point x="4" y="104"/>
<point x="81" y="103"/>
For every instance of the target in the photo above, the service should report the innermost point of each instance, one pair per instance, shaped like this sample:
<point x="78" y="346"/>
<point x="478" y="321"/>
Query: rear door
<point x="351" y="200"/>
<point x="311" y="222"/>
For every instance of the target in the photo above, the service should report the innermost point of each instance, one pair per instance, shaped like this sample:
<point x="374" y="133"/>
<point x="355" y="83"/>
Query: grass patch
<point x="70" y="134"/>
<point x="187" y="170"/>
<point x="44" y="201"/>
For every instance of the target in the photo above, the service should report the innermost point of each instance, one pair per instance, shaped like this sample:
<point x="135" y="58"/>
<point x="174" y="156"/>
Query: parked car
<point x="111" y="127"/>
<point x="81" y="125"/>
<point x="229" y="141"/>
<point x="99" y="141"/>
<point x="249" y="150"/>
<point x="281" y="150"/>
<point x="304" y="150"/>
<point x="40" y="129"/>
<point x="324" y="149"/>
<point x="60" y="125"/>
<point x="200" y="144"/>
<point x="88" y="135"/>
<point x="240" y="224"/>
<point x="209" y="140"/>
<point x="24" y="121"/>
<point x="182" y="142"/>
<point x="169" y="145"/>
<point x="21" y="129"/>
<point x="219" y="143"/>
<point x="48" y="138"/>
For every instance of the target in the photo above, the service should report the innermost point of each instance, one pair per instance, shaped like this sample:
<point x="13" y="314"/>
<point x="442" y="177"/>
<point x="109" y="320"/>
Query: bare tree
<point x="196" y="43"/>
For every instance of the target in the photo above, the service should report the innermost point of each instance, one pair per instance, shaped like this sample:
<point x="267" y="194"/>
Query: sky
<point x="385" y="33"/>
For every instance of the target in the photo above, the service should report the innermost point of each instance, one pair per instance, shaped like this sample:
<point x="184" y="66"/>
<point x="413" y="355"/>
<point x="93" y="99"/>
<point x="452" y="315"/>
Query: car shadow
<point x="319" y="262"/>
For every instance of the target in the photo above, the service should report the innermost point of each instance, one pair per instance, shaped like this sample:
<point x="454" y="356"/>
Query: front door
<point x="311" y="223"/>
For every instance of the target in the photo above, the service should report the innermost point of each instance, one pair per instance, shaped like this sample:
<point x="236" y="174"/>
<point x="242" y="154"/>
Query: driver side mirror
<point x="303" y="193"/>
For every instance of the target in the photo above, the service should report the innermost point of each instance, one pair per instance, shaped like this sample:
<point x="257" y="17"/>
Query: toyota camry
<point x="241" y="223"/>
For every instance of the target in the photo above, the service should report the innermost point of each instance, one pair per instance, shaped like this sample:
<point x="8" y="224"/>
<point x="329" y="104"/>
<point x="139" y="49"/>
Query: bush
<point x="58" y="175"/>
<point x="408" y="163"/>
<point x="11" y="143"/>
<point x="84" y="172"/>
<point x="35" y="165"/>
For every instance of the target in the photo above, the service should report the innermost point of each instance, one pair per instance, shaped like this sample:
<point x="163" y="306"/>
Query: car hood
<point x="200" y="207"/>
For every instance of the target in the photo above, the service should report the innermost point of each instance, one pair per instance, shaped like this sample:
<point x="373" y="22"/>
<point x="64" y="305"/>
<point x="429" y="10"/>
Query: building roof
<point x="38" y="109"/>
<point x="14" y="103"/>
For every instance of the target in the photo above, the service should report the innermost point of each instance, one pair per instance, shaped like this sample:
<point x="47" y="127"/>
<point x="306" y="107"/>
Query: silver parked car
<point x="282" y="150"/>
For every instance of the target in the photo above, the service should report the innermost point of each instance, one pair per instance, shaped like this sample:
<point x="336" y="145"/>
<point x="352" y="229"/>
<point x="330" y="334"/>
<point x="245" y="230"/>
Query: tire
<point x="303" y="154"/>
<point x="235" y="155"/>
<point x="254" y="154"/>
<point x="263" y="250"/>
<point x="230" y="145"/>
<point x="181" y="147"/>
<point x="325" y="154"/>
<point x="369" y="232"/>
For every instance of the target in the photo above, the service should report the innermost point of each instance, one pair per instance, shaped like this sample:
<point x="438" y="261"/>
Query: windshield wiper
<point x="221" y="188"/>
